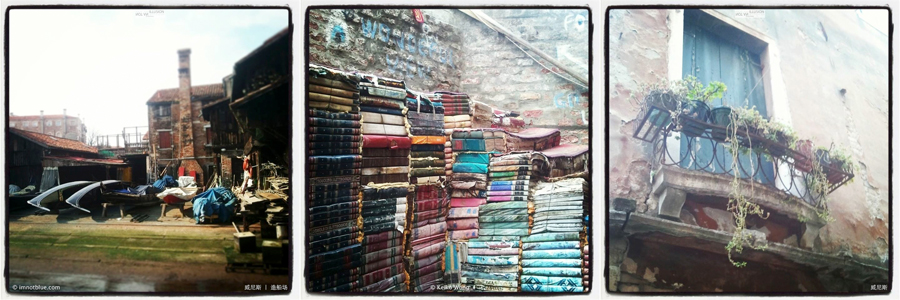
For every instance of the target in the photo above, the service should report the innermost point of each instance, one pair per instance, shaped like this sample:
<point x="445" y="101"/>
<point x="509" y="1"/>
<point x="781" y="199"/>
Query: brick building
<point x="63" y="125"/>
<point x="178" y="134"/>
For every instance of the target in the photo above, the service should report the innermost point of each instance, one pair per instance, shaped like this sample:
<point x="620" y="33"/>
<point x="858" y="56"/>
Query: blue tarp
<point x="166" y="181"/>
<point x="139" y="190"/>
<point x="219" y="201"/>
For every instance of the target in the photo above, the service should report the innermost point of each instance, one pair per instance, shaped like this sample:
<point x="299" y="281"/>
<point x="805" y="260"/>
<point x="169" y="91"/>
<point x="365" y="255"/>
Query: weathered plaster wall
<point x="637" y="55"/>
<point x="814" y="69"/>
<point x="454" y="52"/>
<point x="823" y="52"/>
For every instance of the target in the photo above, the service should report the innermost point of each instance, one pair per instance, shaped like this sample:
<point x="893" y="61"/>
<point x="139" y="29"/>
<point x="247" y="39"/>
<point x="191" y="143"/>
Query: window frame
<point x="159" y="139"/>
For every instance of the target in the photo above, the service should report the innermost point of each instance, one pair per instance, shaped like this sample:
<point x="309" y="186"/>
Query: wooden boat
<point x="48" y="197"/>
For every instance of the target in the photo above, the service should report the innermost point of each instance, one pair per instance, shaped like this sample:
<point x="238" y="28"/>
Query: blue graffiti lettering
<point x="368" y="29"/>
<point x="337" y="33"/>
<point x="384" y="32"/>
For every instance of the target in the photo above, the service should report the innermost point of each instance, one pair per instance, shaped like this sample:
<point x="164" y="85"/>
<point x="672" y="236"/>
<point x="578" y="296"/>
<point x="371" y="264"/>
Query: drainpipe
<point x="42" y="121"/>
<point x="65" y="123"/>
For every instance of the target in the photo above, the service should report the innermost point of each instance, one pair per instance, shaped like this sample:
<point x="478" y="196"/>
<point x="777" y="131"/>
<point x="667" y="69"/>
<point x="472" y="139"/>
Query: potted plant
<point x="696" y="104"/>
<point x="805" y="148"/>
<point x="720" y="116"/>
<point x="839" y="162"/>
<point x="782" y="135"/>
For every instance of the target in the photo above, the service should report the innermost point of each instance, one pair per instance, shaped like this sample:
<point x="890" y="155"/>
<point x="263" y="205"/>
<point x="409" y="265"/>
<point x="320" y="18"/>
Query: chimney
<point x="65" y="123"/>
<point x="184" y="106"/>
<point x="184" y="138"/>
<point x="42" y="121"/>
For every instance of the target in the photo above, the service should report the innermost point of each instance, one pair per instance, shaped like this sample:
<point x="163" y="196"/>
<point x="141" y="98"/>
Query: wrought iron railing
<point x="762" y="160"/>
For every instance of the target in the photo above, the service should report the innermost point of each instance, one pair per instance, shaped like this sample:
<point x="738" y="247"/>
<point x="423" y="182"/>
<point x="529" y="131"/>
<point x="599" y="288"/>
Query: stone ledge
<point x="719" y="185"/>
<point x="822" y="263"/>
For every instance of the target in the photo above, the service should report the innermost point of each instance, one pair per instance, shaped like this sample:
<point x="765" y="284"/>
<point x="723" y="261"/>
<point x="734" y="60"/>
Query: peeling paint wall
<point x="638" y="45"/>
<point x="821" y="53"/>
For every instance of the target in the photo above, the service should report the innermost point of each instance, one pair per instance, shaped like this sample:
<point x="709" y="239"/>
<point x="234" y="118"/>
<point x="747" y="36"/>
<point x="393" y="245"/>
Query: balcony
<point x="771" y="173"/>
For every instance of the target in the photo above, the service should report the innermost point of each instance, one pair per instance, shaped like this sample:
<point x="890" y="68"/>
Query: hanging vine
<point x="739" y="206"/>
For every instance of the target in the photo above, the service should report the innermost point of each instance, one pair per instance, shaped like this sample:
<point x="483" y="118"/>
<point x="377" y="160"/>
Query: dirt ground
<point x="81" y="252"/>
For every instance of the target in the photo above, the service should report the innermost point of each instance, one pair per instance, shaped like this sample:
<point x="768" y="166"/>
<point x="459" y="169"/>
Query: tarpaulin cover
<point x="177" y="195"/>
<point x="470" y="168"/>
<point x="166" y="181"/>
<point x="217" y="200"/>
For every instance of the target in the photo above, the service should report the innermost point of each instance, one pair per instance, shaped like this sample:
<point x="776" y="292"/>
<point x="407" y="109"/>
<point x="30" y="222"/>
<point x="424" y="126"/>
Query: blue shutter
<point x="710" y="58"/>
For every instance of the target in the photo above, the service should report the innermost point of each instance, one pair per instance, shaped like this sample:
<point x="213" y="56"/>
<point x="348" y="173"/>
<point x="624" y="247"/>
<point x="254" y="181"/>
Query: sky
<point x="105" y="64"/>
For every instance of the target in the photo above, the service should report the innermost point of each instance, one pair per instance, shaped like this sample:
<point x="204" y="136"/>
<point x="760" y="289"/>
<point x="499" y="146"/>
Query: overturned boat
<point x="55" y="194"/>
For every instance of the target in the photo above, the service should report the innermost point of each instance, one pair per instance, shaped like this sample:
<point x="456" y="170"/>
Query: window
<point x="49" y="123"/>
<point x="165" y="139"/>
<point x="209" y="136"/>
<point x="163" y="111"/>
<point x="712" y="57"/>
<point x="71" y="122"/>
<point x="59" y="134"/>
<point x="58" y="123"/>
<point x="12" y="124"/>
<point x="34" y="123"/>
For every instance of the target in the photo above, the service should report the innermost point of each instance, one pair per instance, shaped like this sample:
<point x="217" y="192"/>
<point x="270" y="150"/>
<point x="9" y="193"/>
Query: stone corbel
<point x="810" y="234"/>
<point x="669" y="200"/>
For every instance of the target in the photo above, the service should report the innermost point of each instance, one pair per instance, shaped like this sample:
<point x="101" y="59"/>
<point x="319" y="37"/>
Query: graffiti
<point x="578" y="22"/>
<point x="407" y="68"/>
<point x="423" y="47"/>
<point x="337" y="34"/>
<point x="570" y="100"/>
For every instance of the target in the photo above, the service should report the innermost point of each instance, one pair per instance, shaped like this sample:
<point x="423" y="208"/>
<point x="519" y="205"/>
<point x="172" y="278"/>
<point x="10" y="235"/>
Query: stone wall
<point x="834" y="67"/>
<point x="497" y="72"/>
<point x="451" y="51"/>
<point x="389" y="43"/>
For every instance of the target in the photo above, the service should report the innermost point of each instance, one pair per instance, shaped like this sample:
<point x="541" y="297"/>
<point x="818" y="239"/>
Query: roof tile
<point x="54" y="142"/>
<point x="214" y="91"/>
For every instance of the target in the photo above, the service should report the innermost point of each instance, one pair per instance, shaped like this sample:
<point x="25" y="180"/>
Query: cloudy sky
<point x="105" y="64"/>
